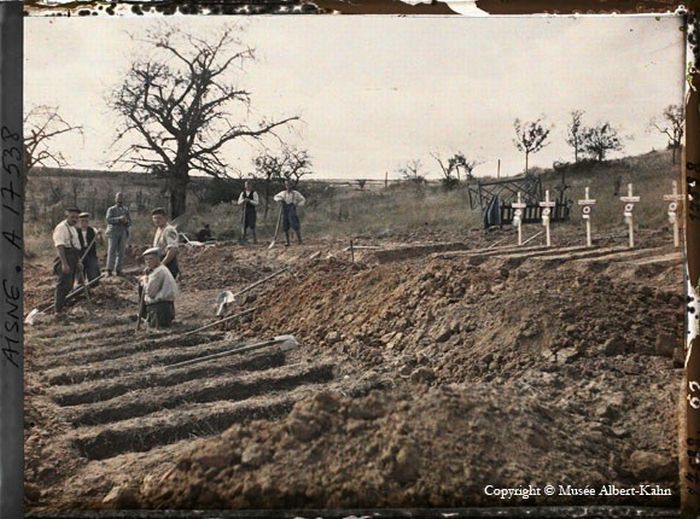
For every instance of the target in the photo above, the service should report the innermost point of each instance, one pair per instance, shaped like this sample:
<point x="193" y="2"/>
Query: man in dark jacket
<point x="89" y="238"/>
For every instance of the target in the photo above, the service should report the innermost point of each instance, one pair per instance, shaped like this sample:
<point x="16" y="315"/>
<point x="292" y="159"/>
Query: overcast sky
<point x="376" y="91"/>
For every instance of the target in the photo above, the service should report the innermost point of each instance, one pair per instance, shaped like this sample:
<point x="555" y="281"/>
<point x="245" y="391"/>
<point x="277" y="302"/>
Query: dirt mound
<point x="439" y="447"/>
<point x="468" y="322"/>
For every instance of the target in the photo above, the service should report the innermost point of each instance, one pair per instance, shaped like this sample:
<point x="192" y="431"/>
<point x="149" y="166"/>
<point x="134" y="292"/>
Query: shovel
<point x="141" y="302"/>
<point x="288" y="342"/>
<point x="31" y="316"/>
<point x="277" y="229"/>
<point x="227" y="297"/>
<point x="242" y="240"/>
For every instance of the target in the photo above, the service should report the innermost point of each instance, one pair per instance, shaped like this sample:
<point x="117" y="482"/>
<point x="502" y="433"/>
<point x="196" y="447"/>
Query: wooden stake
<point x="352" y="252"/>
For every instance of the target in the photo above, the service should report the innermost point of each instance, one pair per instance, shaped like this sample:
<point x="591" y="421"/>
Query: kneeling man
<point x="160" y="291"/>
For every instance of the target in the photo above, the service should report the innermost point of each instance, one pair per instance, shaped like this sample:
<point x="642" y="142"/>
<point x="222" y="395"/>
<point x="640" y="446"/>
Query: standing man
<point x="166" y="240"/>
<point x="66" y="264"/>
<point x="118" y="222"/>
<point x="89" y="236"/>
<point x="160" y="291"/>
<point x="249" y="200"/>
<point x="290" y="199"/>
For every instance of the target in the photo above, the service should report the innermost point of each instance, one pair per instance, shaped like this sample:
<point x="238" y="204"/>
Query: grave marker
<point x="518" y="217"/>
<point x="587" y="204"/>
<point x="674" y="199"/>
<point x="630" y="200"/>
<point x="546" y="212"/>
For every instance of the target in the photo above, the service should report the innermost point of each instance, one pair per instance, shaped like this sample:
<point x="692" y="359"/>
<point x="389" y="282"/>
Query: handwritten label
<point x="11" y="198"/>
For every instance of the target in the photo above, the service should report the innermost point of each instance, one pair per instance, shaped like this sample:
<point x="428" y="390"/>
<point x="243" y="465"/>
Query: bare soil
<point x="426" y="370"/>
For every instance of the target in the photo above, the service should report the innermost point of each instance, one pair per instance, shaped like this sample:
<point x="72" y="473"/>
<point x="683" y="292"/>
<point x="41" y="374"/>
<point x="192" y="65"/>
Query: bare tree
<point x="451" y="169"/>
<point x="361" y="183"/>
<point x="599" y="140"/>
<point x="176" y="101"/>
<point x="411" y="172"/>
<point x="530" y="137"/>
<point x="671" y="125"/>
<point x="42" y="124"/>
<point x="291" y="163"/>
<point x="574" y="133"/>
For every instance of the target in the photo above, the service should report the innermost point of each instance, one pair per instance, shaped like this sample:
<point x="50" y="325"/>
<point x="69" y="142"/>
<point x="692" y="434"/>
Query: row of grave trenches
<point x="505" y="370"/>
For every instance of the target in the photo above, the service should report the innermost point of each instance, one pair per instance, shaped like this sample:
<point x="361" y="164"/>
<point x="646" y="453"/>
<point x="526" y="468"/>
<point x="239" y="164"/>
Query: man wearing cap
<point x="66" y="264"/>
<point x="160" y="290"/>
<point x="118" y="222"/>
<point x="166" y="240"/>
<point x="89" y="236"/>
<point x="290" y="198"/>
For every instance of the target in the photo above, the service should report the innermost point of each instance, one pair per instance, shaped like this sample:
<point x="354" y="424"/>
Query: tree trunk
<point x="527" y="154"/>
<point x="178" y="191"/>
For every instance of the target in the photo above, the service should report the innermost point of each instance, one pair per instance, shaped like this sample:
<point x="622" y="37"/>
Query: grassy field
<point x="350" y="212"/>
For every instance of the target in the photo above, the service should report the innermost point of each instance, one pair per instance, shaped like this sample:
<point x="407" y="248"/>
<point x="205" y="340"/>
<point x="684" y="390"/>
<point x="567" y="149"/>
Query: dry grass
<point x="399" y="208"/>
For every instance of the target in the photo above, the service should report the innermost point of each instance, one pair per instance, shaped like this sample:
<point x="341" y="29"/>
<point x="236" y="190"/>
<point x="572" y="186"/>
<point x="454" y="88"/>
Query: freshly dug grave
<point x="435" y="447"/>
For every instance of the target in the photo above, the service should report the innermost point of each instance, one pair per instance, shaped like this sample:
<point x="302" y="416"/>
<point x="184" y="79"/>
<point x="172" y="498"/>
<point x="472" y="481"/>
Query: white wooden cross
<point x="518" y="217"/>
<point x="587" y="204"/>
<point x="630" y="200"/>
<point x="546" y="212"/>
<point x="674" y="199"/>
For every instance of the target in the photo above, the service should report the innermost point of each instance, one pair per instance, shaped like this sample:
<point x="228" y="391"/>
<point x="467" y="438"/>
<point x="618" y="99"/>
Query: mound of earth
<point x="435" y="447"/>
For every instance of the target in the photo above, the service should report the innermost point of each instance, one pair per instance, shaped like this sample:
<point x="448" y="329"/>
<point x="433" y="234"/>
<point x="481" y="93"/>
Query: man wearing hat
<point x="118" y="222"/>
<point x="166" y="240"/>
<point x="160" y="290"/>
<point x="66" y="264"/>
<point x="89" y="236"/>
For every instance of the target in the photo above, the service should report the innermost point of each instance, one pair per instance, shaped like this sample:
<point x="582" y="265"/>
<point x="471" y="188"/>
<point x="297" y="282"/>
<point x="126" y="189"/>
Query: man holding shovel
<point x="249" y="200"/>
<point x="159" y="290"/>
<point x="166" y="239"/>
<point x="67" y="262"/>
<point x="290" y="199"/>
<point x="89" y="236"/>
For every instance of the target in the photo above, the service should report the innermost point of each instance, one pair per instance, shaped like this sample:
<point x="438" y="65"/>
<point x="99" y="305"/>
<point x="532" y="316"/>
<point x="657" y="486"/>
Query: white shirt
<point x="160" y="286"/>
<point x="254" y="201"/>
<point x="293" y="197"/>
<point x="166" y="238"/>
<point x="66" y="235"/>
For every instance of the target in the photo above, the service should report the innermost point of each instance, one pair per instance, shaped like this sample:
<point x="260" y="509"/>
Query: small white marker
<point x="674" y="200"/>
<point x="587" y="204"/>
<point x="546" y="212"/>
<point x="518" y="217"/>
<point x="630" y="200"/>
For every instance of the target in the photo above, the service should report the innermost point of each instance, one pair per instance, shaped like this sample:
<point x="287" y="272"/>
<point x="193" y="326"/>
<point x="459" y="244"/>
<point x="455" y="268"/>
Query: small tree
<point x="574" y="134"/>
<point x="42" y="124"/>
<point x="599" y="140"/>
<point x="530" y="137"/>
<point x="290" y="163"/>
<point x="411" y="172"/>
<point x="361" y="183"/>
<point x="451" y="169"/>
<point x="671" y="125"/>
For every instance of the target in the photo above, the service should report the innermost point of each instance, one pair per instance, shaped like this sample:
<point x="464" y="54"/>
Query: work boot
<point x="299" y="237"/>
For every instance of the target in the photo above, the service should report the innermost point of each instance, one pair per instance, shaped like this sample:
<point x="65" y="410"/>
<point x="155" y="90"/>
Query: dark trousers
<point x="173" y="267"/>
<point x="290" y="219"/>
<point x="64" y="282"/>
<point x="92" y="267"/>
<point x="159" y="315"/>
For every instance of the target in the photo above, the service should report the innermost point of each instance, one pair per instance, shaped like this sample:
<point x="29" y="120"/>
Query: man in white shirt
<point x="67" y="262"/>
<point x="160" y="290"/>
<point x="166" y="239"/>
<point x="290" y="199"/>
<point x="249" y="200"/>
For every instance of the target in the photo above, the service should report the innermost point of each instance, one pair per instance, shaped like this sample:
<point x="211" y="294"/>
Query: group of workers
<point x="76" y="242"/>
